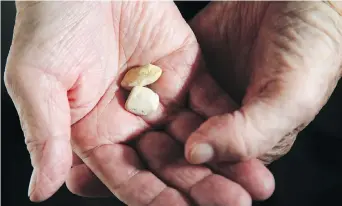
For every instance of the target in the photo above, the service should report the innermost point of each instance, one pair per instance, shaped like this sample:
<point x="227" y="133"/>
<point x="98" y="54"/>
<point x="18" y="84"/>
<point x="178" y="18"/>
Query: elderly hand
<point x="63" y="74"/>
<point x="279" y="61"/>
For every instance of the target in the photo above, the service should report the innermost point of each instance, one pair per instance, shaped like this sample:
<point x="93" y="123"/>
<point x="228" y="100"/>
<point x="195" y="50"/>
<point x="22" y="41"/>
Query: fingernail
<point x="201" y="153"/>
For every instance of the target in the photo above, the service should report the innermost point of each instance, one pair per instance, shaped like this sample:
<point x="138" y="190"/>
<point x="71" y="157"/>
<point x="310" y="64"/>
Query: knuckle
<point x="35" y="148"/>
<point x="9" y="78"/>
<point x="13" y="77"/>
<point x="240" y="153"/>
<point x="34" y="144"/>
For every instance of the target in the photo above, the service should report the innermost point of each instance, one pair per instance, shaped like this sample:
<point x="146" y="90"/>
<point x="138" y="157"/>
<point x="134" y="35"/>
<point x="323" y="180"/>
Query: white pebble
<point x="142" y="101"/>
<point x="141" y="76"/>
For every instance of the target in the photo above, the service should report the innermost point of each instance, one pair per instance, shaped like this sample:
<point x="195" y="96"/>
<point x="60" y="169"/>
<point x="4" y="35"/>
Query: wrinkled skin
<point x="278" y="59"/>
<point x="63" y="74"/>
<point x="279" y="62"/>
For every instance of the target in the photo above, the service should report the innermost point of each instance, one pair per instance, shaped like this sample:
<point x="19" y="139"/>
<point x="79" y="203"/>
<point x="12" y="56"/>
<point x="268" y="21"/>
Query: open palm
<point x="63" y="74"/>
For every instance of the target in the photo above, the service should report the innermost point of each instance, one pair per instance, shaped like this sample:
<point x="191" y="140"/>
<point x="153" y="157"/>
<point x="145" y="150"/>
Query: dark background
<point x="311" y="174"/>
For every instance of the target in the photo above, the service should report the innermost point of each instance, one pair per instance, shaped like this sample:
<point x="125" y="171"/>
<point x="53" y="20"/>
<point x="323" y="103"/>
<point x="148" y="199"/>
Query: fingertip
<point x="82" y="181"/>
<point x="229" y="137"/>
<point x="244" y="200"/>
<point x="37" y="198"/>
<point x="197" y="148"/>
<point x="42" y="187"/>
<point x="217" y="190"/>
<point x="252" y="175"/>
<point x="32" y="187"/>
<point x="35" y="192"/>
<point x="200" y="153"/>
<point x="267" y="188"/>
<point x="256" y="178"/>
<point x="51" y="168"/>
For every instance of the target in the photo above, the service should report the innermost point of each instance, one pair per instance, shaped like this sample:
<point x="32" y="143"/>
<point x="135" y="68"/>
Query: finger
<point x="207" y="98"/>
<point x="120" y="169"/>
<point x="251" y="175"/>
<point x="172" y="197"/>
<point x="82" y="181"/>
<point x="285" y="93"/>
<point x="42" y="105"/>
<point x="165" y="158"/>
<point x="217" y="183"/>
<point x="183" y="124"/>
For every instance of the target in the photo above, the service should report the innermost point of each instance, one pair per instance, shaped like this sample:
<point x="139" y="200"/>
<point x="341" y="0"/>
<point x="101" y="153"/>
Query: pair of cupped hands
<point x="238" y="85"/>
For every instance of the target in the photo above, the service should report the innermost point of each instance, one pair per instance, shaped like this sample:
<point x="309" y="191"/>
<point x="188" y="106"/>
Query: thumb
<point x="43" y="109"/>
<point x="292" y="79"/>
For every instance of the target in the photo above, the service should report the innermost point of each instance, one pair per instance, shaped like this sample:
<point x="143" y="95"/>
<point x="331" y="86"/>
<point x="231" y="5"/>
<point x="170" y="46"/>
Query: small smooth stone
<point x="141" y="76"/>
<point x="142" y="101"/>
